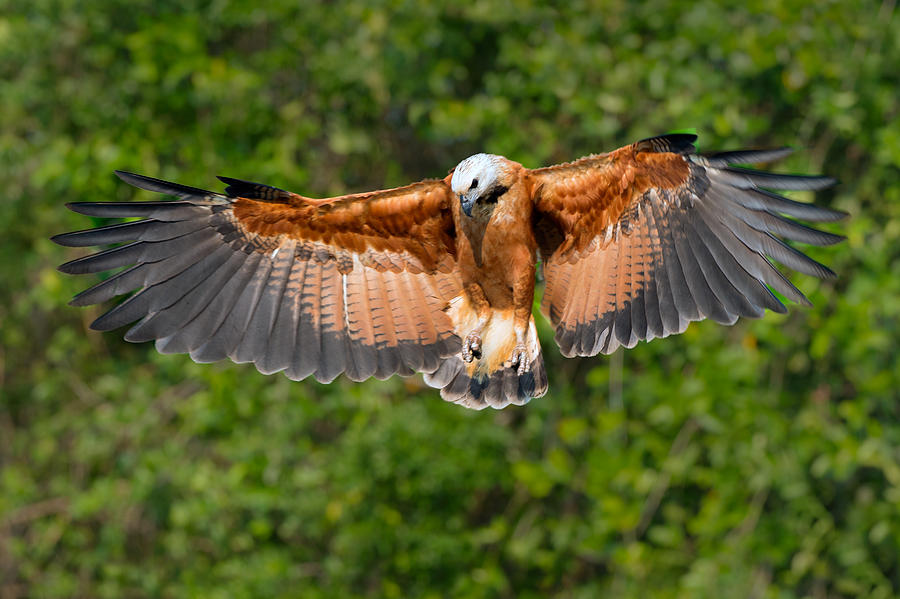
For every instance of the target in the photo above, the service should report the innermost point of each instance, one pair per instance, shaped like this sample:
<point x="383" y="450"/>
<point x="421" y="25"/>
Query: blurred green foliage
<point x="761" y="460"/>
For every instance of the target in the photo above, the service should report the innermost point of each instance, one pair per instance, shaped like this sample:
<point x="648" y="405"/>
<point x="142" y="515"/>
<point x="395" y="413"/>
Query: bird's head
<point x="479" y="179"/>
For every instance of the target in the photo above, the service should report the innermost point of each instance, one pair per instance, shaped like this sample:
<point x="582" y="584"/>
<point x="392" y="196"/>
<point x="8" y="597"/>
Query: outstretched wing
<point x="639" y="242"/>
<point x="353" y="284"/>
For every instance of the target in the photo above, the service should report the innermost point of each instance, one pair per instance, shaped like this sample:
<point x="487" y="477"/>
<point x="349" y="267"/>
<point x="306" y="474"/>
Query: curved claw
<point x="471" y="347"/>
<point x="520" y="358"/>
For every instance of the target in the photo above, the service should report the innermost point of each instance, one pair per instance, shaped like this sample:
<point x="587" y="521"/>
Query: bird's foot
<point x="471" y="348"/>
<point x="520" y="358"/>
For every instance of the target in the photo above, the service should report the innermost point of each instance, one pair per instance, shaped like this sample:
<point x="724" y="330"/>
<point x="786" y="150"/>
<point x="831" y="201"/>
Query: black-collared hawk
<point x="439" y="276"/>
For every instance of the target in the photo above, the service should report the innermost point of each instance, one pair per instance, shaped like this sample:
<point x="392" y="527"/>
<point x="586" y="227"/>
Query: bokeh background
<point x="761" y="460"/>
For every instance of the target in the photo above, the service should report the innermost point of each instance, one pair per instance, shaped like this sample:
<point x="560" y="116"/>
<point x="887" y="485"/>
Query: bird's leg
<point x="519" y="358"/>
<point x="523" y="296"/>
<point x="471" y="347"/>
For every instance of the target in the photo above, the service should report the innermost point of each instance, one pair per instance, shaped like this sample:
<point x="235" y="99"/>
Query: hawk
<point x="439" y="276"/>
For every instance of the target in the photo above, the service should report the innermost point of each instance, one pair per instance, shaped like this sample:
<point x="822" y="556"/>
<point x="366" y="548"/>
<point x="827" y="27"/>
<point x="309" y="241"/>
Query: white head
<point x="477" y="177"/>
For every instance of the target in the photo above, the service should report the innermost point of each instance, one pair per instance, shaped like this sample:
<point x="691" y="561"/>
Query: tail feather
<point x="490" y="380"/>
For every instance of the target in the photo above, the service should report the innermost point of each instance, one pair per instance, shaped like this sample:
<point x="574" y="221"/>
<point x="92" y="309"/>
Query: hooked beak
<point x="466" y="201"/>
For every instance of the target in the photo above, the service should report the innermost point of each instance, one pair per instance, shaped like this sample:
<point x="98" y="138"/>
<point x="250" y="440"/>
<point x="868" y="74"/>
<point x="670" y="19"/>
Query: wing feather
<point x="161" y="295"/>
<point x="752" y="261"/>
<point x="676" y="237"/>
<point x="223" y="340"/>
<point x="733" y="303"/>
<point x="436" y="324"/>
<point x="385" y="339"/>
<point x="622" y="291"/>
<point x="166" y="322"/>
<point x="202" y="329"/>
<point x="764" y="200"/>
<point x="578" y="303"/>
<point x="282" y="340"/>
<point x="360" y="324"/>
<point x="333" y="349"/>
<point x="411" y="319"/>
<point x="640" y="321"/>
<point x="707" y="304"/>
<point x="684" y="303"/>
<point x="254" y="343"/>
<point x="756" y="293"/>
<point x="595" y="294"/>
<point x="308" y="343"/>
<point x="652" y="309"/>
<point x="668" y="311"/>
<point x="139" y="252"/>
<point x="142" y="230"/>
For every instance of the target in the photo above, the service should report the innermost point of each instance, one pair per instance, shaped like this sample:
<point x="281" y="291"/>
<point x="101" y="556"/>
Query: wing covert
<point x="639" y="242"/>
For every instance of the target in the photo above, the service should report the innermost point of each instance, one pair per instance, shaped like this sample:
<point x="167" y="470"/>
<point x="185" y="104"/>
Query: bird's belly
<point x="503" y="262"/>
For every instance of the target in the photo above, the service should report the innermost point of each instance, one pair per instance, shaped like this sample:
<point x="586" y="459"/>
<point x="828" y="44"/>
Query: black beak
<point x="466" y="203"/>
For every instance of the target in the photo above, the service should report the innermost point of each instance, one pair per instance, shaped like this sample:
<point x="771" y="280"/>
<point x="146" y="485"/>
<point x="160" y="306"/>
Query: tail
<point x="490" y="380"/>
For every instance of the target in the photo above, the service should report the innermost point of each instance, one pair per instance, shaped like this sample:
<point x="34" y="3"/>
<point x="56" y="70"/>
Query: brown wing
<point x="640" y="242"/>
<point x="354" y="284"/>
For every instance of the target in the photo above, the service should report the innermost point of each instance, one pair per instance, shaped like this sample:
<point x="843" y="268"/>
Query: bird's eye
<point x="474" y="184"/>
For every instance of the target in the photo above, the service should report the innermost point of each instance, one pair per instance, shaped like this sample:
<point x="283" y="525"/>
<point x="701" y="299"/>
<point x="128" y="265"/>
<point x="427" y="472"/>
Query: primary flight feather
<point x="438" y="277"/>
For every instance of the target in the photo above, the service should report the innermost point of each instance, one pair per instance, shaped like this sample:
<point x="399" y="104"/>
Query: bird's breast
<point x="496" y="249"/>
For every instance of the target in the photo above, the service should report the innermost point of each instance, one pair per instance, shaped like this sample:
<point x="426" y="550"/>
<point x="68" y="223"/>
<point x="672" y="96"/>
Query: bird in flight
<point x="438" y="276"/>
